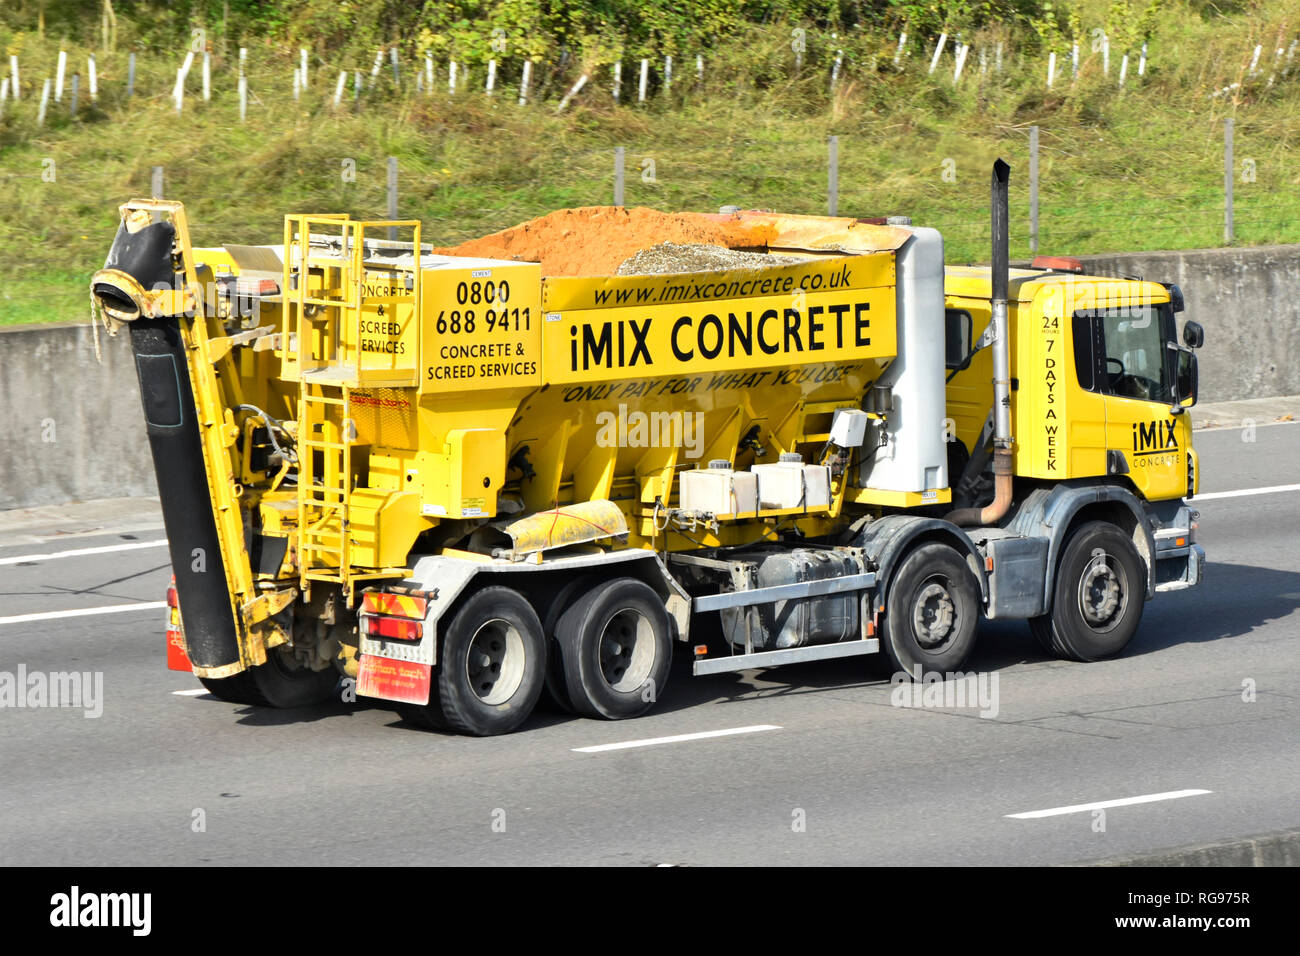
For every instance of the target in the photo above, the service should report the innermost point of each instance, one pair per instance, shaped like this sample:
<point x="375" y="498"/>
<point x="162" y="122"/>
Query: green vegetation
<point x="1134" y="169"/>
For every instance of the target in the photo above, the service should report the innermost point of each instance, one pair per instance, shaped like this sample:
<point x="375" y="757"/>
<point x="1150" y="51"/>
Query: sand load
<point x="597" y="240"/>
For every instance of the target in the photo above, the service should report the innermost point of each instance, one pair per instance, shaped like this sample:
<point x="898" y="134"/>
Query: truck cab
<point x="1101" y="385"/>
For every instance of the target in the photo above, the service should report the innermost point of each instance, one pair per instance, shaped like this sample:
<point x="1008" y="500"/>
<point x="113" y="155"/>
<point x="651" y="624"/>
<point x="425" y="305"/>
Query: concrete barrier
<point x="75" y="429"/>
<point x="1279" y="848"/>
<point x="1249" y="302"/>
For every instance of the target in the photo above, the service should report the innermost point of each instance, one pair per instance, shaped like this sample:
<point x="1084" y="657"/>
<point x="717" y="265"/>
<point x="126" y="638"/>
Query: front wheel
<point x="1097" y="597"/>
<point x="931" y="612"/>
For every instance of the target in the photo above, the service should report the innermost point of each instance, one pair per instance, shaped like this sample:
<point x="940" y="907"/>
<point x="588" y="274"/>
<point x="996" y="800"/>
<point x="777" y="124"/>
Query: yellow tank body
<point x="515" y="393"/>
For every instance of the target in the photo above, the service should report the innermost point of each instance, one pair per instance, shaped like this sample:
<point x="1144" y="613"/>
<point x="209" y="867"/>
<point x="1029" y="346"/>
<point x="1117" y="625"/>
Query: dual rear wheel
<point x="609" y="657"/>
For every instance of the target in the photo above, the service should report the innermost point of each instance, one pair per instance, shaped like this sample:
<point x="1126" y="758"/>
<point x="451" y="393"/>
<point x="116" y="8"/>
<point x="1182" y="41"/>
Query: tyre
<point x="491" y="667"/>
<point x="557" y="691"/>
<point x="1097" y="597"/>
<point x="616" y="645"/>
<point x="1041" y="628"/>
<point x="281" y="682"/>
<point x="931" y="612"/>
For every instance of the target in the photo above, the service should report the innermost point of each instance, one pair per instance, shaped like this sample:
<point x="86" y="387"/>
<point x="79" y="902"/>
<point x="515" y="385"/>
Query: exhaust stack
<point x="1002" y="440"/>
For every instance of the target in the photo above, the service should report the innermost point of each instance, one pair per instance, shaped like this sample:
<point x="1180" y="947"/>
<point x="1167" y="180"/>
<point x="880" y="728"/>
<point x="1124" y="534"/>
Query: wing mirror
<point x="1186" y="379"/>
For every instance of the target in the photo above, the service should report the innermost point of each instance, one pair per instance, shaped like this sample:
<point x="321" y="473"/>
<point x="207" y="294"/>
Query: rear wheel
<point x="1097" y="597"/>
<point x="491" y="667"/>
<point x="617" y="648"/>
<point x="557" y="690"/>
<point x="281" y="682"/>
<point x="931" y="612"/>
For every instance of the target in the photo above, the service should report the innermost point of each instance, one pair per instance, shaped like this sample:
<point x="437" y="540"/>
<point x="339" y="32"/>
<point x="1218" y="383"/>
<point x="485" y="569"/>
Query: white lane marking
<point x="190" y="693"/>
<point x="1230" y="425"/>
<point x="676" y="739"/>
<point x="78" y="552"/>
<point x="1244" y="492"/>
<point x="84" y="612"/>
<point x="1107" y="804"/>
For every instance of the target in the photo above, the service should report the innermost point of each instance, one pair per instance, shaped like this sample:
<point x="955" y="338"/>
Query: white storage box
<point x="719" y="490"/>
<point x="789" y="483"/>
<point x="848" y="427"/>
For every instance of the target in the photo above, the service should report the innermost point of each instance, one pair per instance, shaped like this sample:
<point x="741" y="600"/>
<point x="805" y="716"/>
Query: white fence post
<point x="938" y="51"/>
<point x="582" y="81"/>
<point x="523" y="82"/>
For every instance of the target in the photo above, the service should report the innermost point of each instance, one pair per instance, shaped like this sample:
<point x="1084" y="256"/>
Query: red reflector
<point x="395" y="628"/>
<point x="177" y="659"/>
<point x="1057" y="263"/>
<point x="389" y="602"/>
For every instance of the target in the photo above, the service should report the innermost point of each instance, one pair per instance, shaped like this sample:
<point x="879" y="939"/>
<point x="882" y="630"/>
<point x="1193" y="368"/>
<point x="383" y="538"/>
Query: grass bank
<point x="1131" y="169"/>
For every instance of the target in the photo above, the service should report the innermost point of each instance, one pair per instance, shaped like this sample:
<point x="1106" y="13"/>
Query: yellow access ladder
<point x="322" y="351"/>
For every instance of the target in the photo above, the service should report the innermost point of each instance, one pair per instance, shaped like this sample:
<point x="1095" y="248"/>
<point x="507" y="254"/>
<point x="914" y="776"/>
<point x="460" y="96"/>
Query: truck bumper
<point x="1184" y="569"/>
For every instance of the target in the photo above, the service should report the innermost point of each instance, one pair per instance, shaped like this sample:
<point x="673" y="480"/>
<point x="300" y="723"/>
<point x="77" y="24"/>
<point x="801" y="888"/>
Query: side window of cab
<point x="1123" y="352"/>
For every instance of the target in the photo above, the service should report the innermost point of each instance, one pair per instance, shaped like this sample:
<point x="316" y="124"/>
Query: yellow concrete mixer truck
<point x="464" y="481"/>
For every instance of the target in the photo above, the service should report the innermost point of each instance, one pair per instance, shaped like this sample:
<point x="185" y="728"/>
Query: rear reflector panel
<point x="405" y="682"/>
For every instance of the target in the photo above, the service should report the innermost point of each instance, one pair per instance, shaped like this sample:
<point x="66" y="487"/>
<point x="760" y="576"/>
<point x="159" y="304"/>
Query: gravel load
<point x="672" y="257"/>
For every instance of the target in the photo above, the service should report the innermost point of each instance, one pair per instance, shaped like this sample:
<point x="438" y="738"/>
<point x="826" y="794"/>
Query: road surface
<point x="1201" y="713"/>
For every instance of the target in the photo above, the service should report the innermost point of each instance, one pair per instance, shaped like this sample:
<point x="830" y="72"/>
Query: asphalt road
<point x="844" y="776"/>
